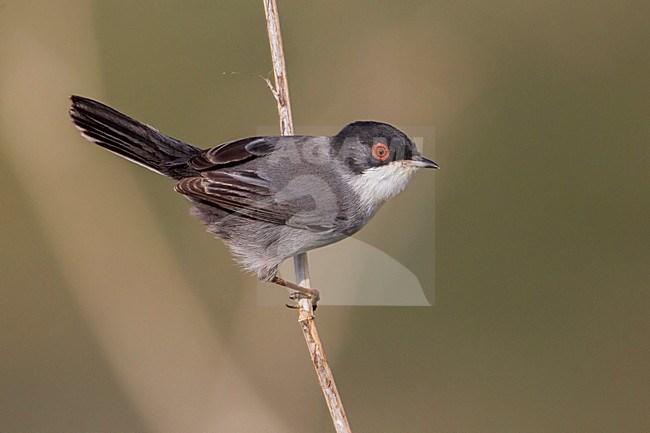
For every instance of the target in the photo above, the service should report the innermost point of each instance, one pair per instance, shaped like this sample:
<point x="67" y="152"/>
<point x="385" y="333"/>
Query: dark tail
<point x="131" y="139"/>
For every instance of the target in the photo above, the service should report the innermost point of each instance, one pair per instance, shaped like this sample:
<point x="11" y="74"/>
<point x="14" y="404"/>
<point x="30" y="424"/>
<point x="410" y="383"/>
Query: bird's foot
<point x="300" y="293"/>
<point x="297" y="296"/>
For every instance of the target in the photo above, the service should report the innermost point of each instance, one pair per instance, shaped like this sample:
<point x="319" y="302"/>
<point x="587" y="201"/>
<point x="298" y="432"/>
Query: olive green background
<point x="120" y="314"/>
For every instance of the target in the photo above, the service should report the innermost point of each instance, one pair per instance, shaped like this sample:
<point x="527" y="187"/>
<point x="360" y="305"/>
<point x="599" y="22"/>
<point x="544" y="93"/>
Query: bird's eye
<point x="380" y="152"/>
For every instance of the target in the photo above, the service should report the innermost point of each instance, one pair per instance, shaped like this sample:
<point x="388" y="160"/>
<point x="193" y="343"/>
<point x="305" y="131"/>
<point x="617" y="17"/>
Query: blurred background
<point x="119" y="313"/>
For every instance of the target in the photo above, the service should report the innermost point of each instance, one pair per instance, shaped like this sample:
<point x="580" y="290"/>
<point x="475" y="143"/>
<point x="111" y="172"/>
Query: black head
<point x="367" y="144"/>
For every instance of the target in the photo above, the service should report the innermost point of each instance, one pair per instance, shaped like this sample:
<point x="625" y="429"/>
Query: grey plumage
<point x="268" y="198"/>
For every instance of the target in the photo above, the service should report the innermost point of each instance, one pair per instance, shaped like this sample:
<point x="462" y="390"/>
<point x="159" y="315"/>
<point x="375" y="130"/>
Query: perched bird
<point x="269" y="197"/>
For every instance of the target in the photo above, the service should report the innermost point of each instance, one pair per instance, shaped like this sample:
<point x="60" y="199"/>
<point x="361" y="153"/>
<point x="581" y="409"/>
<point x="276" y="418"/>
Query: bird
<point x="269" y="197"/>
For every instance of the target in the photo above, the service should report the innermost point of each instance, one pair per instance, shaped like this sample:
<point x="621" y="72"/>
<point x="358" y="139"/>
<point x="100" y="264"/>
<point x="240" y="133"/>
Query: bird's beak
<point x="422" y="162"/>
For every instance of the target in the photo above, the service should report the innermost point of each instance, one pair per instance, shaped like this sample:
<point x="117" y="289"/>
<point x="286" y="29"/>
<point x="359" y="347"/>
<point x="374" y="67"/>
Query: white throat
<point x="376" y="185"/>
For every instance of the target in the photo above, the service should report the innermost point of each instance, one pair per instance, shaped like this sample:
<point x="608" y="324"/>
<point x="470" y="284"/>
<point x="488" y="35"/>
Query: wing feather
<point x="233" y="152"/>
<point x="253" y="201"/>
<point x="226" y="182"/>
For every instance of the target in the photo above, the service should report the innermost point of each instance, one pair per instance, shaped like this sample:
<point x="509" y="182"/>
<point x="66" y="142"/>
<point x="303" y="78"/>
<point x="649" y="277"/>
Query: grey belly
<point x="257" y="246"/>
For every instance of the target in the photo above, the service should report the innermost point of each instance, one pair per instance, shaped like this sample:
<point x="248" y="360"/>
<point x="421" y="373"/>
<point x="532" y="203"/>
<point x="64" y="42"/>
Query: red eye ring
<point x="380" y="151"/>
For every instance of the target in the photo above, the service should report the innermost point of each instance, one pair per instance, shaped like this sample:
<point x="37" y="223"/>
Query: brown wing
<point x="240" y="192"/>
<point x="246" y="194"/>
<point x="243" y="191"/>
<point x="232" y="153"/>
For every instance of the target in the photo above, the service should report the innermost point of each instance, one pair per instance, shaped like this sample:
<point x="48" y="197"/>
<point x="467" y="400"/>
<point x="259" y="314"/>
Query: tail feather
<point x="131" y="139"/>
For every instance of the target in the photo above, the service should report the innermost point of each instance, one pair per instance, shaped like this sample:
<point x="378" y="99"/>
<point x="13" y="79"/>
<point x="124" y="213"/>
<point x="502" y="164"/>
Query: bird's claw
<point x="297" y="296"/>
